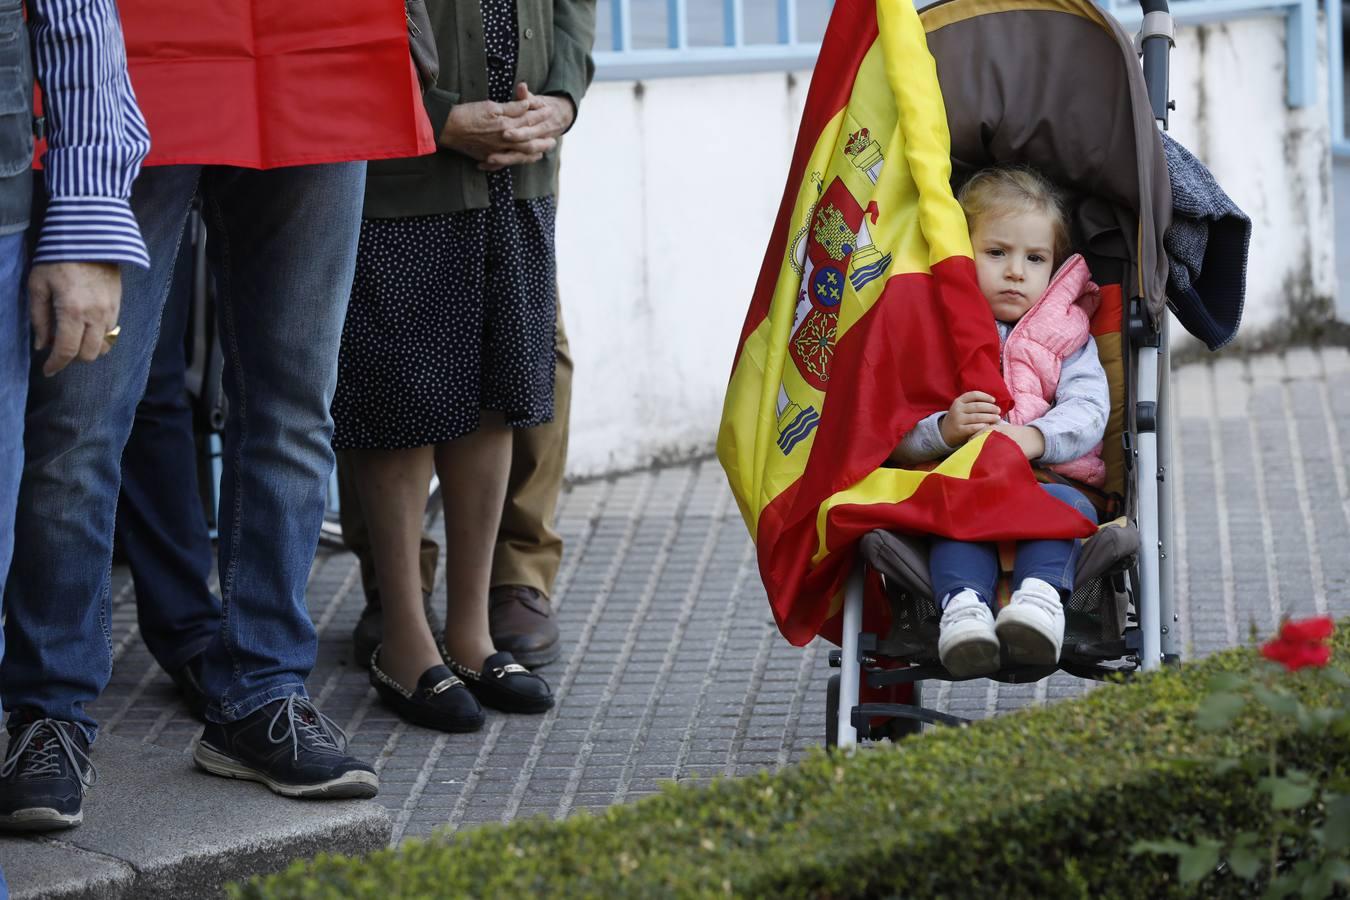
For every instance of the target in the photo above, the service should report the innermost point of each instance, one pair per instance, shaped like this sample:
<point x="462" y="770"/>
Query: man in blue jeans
<point x="282" y="249"/>
<point x="97" y="141"/>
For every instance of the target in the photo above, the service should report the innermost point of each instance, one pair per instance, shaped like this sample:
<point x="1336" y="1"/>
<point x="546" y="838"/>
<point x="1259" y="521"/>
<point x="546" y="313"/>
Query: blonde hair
<point x="1001" y="190"/>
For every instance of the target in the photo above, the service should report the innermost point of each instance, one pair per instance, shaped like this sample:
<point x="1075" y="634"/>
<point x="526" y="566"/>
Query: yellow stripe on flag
<point x="887" y="485"/>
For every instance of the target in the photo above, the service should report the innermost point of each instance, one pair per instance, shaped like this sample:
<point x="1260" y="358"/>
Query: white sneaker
<point x="967" y="643"/>
<point x="1031" y="626"/>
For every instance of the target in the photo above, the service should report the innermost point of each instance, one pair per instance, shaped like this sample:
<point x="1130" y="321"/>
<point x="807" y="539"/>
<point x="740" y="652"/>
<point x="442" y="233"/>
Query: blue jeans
<point x="13" y="390"/>
<point x="283" y="249"/>
<point x="161" y="526"/>
<point x="956" y="565"/>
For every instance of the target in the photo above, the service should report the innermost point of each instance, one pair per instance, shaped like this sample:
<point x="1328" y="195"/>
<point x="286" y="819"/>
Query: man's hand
<point x="478" y="129"/>
<point x="970" y="413"/>
<point x="73" y="305"/>
<point x="1028" y="437"/>
<point x="535" y="133"/>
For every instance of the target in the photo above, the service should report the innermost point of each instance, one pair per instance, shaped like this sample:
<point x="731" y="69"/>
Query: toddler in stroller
<point x="1041" y="303"/>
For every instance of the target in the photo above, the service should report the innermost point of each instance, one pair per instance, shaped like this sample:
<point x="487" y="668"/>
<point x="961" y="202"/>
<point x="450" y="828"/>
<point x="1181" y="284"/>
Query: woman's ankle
<point x="405" y="656"/>
<point x="469" y="652"/>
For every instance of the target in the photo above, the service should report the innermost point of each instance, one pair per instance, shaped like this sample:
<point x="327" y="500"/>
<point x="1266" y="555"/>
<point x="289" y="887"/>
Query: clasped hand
<point x="499" y="135"/>
<point x="975" y="412"/>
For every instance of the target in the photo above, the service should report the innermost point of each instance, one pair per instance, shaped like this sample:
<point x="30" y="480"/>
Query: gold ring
<point x="111" y="337"/>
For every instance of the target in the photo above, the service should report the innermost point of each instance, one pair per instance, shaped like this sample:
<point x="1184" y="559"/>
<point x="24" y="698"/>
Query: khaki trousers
<point x="528" y="550"/>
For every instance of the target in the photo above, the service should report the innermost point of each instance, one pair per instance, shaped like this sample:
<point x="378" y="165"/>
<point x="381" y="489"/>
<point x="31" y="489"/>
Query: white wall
<point x="1275" y="162"/>
<point x="670" y="187"/>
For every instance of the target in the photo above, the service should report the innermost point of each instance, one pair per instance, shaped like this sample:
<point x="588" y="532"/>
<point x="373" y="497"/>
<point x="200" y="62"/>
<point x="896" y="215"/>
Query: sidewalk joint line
<point x="598" y="605"/>
<point x="1216" y="460"/>
<point x="1315" y="572"/>
<point x="419" y="785"/>
<point x="1273" y="592"/>
<point x="475" y="775"/>
<point x="687" y="603"/>
<point x="714" y="666"/>
<point x="792" y="724"/>
<point x="639" y="617"/>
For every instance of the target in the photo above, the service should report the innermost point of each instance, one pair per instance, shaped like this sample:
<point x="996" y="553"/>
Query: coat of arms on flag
<point x="866" y="318"/>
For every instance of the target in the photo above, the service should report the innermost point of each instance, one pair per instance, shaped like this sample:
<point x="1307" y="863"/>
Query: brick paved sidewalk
<point x="672" y="668"/>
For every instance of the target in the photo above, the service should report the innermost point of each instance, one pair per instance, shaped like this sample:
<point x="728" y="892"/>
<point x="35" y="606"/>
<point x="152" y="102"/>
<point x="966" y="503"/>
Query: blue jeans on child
<point x="957" y="565"/>
<point x="283" y="246"/>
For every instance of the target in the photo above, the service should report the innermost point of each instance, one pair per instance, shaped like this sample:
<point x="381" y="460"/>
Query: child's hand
<point x="971" y="413"/>
<point x="1028" y="437"/>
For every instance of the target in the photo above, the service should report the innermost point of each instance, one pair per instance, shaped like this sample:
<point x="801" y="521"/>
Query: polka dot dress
<point x="452" y="314"/>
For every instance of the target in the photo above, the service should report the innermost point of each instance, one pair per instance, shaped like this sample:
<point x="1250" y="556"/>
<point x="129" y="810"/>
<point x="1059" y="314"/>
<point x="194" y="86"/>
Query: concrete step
<point x="157" y="827"/>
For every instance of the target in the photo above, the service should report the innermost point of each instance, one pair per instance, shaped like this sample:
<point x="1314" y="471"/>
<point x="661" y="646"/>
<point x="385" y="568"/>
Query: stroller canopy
<point x="1056" y="85"/>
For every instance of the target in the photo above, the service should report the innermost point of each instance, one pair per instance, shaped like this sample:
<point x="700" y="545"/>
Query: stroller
<point x="1057" y="85"/>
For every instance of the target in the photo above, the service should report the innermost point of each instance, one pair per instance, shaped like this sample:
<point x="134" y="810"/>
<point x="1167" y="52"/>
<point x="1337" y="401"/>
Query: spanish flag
<point x="866" y="318"/>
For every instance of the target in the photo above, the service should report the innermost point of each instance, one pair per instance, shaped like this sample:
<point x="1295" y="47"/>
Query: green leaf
<point x="1198" y="861"/>
<point x="1317" y="884"/>
<point x="1245" y="862"/>
<point x="1337" y="828"/>
<point x="1282" y="886"/>
<point x="1278" y="702"/>
<point x="1287" y="792"/>
<point x="1218" y="711"/>
<point x="1226" y="682"/>
<point x="1160" y="848"/>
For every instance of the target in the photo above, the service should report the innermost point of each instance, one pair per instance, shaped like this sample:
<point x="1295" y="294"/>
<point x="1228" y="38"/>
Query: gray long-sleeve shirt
<point x="1072" y="426"/>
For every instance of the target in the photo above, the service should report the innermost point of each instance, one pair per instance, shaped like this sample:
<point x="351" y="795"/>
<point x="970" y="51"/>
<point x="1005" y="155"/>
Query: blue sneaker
<point x="292" y="748"/>
<point x="43" y="777"/>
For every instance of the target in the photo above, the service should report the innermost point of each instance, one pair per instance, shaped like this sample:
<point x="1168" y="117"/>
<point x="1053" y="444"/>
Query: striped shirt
<point x="96" y="136"/>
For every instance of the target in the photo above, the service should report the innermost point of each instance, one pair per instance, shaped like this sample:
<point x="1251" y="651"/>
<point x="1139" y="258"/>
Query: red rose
<point x="1301" y="644"/>
<point x="1318" y="629"/>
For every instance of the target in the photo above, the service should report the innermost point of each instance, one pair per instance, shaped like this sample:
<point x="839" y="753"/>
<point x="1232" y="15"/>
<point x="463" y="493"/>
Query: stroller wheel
<point x="832" y="713"/>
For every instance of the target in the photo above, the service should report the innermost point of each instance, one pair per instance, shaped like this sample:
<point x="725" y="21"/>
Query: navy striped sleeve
<point x="96" y="136"/>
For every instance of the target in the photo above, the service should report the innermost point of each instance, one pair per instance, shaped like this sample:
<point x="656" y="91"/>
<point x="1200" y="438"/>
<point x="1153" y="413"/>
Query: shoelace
<point x="303" y="719"/>
<point x="964" y="609"/>
<point x="43" y="757"/>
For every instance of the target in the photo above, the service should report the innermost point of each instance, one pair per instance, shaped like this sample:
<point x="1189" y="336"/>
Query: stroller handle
<point x="1155" y="43"/>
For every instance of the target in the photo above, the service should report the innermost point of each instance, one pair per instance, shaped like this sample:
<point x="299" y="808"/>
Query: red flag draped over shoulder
<point x="866" y="318"/>
<point x="267" y="83"/>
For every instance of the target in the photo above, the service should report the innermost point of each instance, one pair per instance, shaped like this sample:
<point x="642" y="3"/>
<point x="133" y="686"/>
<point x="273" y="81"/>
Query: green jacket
<point x="554" y="58"/>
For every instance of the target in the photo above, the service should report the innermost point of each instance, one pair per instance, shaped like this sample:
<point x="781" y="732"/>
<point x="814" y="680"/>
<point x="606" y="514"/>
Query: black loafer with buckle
<point x="505" y="684"/>
<point x="440" y="701"/>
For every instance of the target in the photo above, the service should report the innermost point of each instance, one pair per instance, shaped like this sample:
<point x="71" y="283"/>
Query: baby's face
<point x="1014" y="259"/>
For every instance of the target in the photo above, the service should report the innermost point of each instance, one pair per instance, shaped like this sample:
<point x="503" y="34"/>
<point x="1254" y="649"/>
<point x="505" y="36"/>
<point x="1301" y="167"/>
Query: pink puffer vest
<point x="1051" y="331"/>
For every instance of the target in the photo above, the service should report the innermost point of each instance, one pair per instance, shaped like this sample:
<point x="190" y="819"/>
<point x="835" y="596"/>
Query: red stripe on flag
<point x="927" y="340"/>
<point x="850" y="34"/>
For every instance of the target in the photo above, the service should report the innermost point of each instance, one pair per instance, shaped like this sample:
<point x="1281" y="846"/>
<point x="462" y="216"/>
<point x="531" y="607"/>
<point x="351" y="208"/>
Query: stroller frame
<point x="1154" y="639"/>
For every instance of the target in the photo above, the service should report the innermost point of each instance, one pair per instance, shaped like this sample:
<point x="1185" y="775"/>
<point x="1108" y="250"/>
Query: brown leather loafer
<point x="520" y="620"/>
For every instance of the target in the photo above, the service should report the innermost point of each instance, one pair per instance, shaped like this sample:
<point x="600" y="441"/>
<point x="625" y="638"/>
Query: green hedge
<point x="1042" y="803"/>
